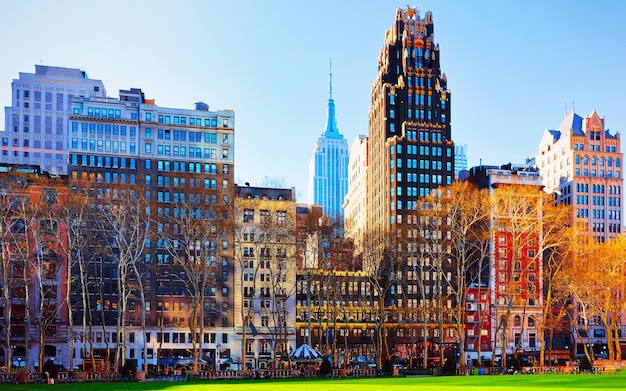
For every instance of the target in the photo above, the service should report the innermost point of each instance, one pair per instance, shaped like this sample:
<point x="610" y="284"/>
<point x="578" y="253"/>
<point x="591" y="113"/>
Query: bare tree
<point x="385" y="260"/>
<point x="32" y="259"/>
<point x="265" y="252"/>
<point x="12" y="196"/>
<point x="125" y="220"/>
<point x="47" y="263"/>
<point x="18" y="249"/>
<point x="79" y="222"/>
<point x="191" y="233"/>
<point x="438" y="263"/>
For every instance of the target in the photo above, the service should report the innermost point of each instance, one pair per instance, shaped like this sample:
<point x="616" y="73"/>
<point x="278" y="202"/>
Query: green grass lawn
<point x="446" y="383"/>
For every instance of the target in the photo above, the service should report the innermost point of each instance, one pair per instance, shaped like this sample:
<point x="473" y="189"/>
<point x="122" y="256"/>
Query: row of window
<point x="104" y="129"/>
<point x="419" y="114"/>
<point x="106" y="177"/>
<point x="265" y="215"/>
<point x="180" y="337"/>
<point x="191" y="167"/>
<point x="607" y="148"/>
<point x="416" y="56"/>
<point x="584" y="188"/>
<point x="248" y="252"/>
<point x="106" y="112"/>
<point x="600" y="161"/>
<point x="103" y="112"/>
<point x="423" y="178"/>
<point x="423" y="149"/>
<point x="423" y="164"/>
<point x="103" y="161"/>
<point x="180" y="120"/>
<point x="176" y="181"/>
<point x="598" y="174"/>
<point x="168" y="150"/>
<point x="36" y="143"/>
<point x="104" y="145"/>
<point x="181" y="135"/>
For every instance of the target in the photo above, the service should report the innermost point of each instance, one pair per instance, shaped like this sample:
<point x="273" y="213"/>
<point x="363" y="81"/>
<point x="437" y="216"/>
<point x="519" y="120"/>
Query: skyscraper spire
<point x="328" y="167"/>
<point x="331" y="126"/>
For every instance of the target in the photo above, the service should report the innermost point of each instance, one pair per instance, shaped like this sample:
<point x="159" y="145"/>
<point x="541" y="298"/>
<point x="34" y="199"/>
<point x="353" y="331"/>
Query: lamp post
<point x="217" y="356"/>
<point x="9" y="364"/>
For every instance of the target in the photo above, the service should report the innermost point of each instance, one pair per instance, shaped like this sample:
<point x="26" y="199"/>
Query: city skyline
<point x="504" y="61"/>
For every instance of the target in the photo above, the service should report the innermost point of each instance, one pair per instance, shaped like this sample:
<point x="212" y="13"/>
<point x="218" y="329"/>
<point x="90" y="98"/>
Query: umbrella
<point x="305" y="353"/>
<point x="359" y="360"/>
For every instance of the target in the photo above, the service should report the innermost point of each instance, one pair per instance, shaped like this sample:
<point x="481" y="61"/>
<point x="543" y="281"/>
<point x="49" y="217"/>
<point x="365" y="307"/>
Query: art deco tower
<point x="328" y="168"/>
<point x="410" y="146"/>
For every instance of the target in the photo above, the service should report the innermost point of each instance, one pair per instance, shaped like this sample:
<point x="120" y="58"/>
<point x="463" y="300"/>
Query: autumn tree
<point x="516" y="235"/>
<point x="437" y="264"/>
<point x="467" y="211"/>
<point x="612" y="267"/>
<point x="557" y="245"/>
<point x="597" y="282"/>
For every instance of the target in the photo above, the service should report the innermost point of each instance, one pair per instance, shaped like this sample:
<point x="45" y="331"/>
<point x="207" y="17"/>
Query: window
<point x="248" y="215"/>
<point x="281" y="216"/>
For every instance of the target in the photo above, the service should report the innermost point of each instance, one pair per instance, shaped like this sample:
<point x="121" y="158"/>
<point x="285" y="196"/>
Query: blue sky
<point x="512" y="66"/>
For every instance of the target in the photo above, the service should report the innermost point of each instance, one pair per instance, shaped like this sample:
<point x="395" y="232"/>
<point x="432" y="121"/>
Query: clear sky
<point x="512" y="66"/>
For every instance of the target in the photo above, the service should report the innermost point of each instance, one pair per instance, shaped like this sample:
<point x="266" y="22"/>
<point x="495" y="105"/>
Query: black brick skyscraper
<point x="411" y="150"/>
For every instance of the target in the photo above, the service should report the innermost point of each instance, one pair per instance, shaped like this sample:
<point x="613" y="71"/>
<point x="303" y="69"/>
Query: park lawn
<point x="447" y="383"/>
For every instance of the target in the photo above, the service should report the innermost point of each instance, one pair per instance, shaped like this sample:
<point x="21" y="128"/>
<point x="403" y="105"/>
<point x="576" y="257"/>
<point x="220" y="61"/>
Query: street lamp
<point x="9" y="364"/>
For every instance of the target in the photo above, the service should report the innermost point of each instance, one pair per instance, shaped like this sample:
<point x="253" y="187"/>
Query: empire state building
<point x="328" y="168"/>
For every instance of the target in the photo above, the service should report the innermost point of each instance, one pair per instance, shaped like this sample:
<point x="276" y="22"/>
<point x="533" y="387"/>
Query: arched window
<point x="577" y="159"/>
<point x="531" y="321"/>
<point x="609" y="162"/>
<point x="585" y="160"/>
<point x="517" y="321"/>
<point x="593" y="161"/>
<point x="602" y="161"/>
<point x="617" y="163"/>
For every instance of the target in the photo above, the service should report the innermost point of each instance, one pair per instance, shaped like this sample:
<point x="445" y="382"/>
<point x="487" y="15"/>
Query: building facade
<point x="265" y="253"/>
<point x="460" y="159"/>
<point x="516" y="264"/>
<point x="410" y="144"/>
<point x="581" y="164"/>
<point x="33" y="266"/>
<point x="328" y="168"/>
<point x="179" y="163"/>
<point x="355" y="201"/>
<point x="37" y="120"/>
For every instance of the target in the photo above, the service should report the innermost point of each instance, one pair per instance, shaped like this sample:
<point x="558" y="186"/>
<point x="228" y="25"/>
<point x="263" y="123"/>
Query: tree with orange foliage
<point x="598" y="281"/>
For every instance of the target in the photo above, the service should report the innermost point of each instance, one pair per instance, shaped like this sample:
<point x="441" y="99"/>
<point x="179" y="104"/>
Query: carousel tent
<point x="305" y="353"/>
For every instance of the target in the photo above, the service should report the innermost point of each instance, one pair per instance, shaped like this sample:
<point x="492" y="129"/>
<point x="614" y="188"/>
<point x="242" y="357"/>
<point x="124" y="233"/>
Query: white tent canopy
<point x="305" y="353"/>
